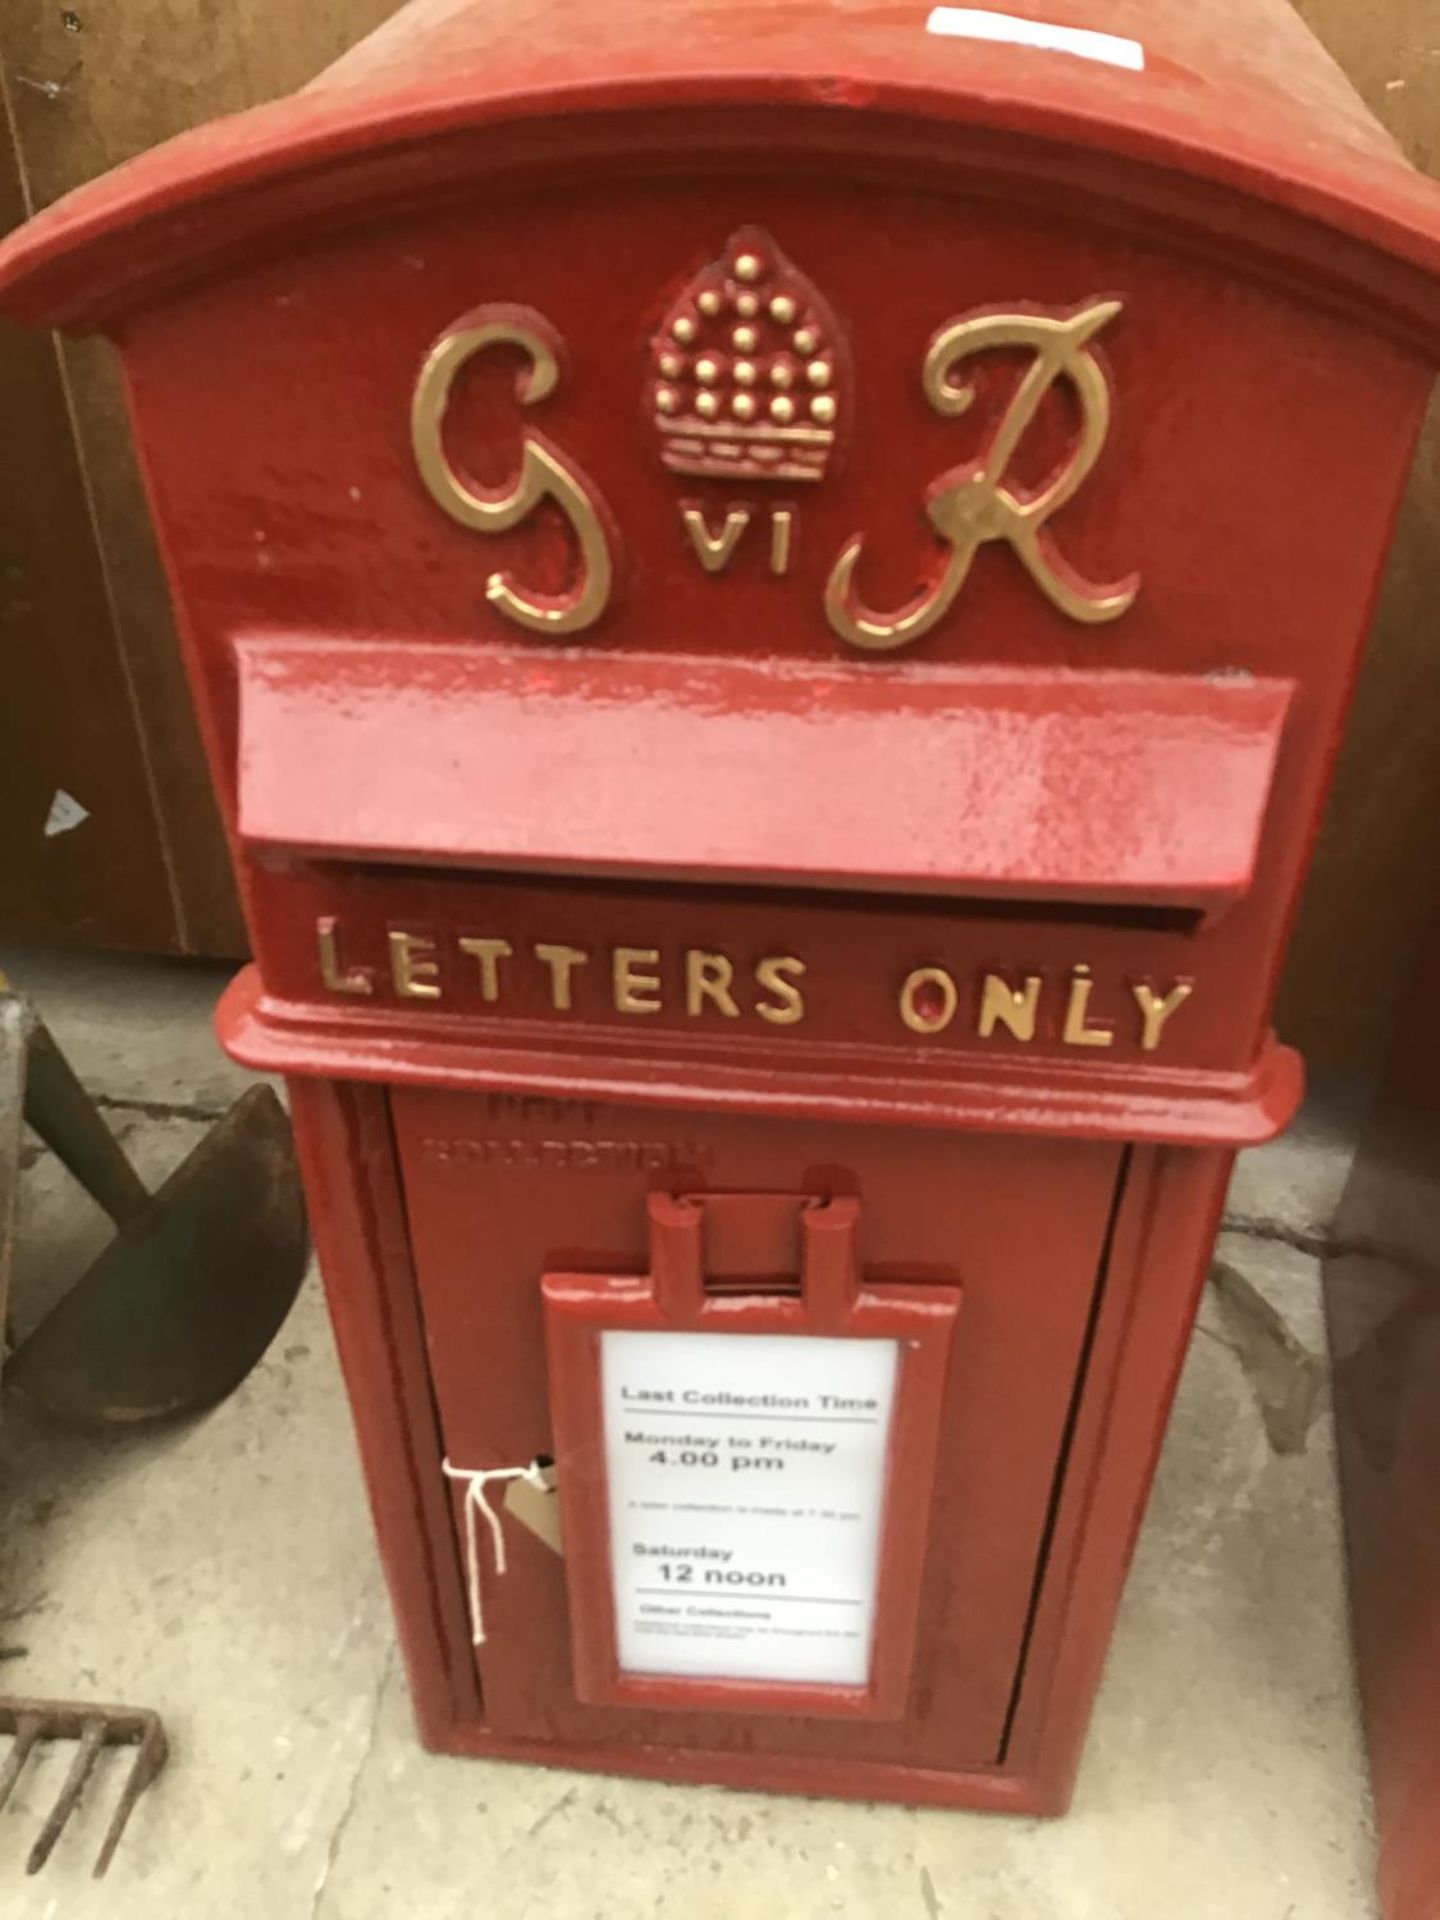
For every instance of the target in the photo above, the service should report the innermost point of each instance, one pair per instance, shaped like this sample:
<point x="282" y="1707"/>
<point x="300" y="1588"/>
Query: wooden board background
<point x="91" y="85"/>
<point x="1373" y="889"/>
<point x="69" y="728"/>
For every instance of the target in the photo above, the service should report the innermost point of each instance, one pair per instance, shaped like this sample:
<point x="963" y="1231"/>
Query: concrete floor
<point x="223" y="1571"/>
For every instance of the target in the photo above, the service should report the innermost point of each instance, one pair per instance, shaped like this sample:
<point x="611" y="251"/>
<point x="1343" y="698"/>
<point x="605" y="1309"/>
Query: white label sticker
<point x="747" y="1479"/>
<point x="978" y="23"/>
<point x="66" y="813"/>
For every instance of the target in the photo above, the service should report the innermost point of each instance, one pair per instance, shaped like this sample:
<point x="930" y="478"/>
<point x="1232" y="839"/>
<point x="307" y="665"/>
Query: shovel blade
<point x="183" y="1302"/>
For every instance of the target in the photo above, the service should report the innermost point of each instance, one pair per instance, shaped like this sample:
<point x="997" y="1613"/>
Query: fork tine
<point x="149" y="1759"/>
<point x="27" y="1732"/>
<point x="91" y="1741"/>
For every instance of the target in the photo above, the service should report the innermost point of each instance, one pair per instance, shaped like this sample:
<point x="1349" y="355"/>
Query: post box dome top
<point x="1222" y="121"/>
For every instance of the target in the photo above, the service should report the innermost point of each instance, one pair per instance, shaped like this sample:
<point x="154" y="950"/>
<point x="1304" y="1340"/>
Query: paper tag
<point x="536" y="1508"/>
<point x="66" y="813"/>
<point x="1086" y="43"/>
<point x="746" y="1477"/>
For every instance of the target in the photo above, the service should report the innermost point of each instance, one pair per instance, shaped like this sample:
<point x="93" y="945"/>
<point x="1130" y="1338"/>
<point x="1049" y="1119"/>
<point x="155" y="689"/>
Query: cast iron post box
<point x="771" y="591"/>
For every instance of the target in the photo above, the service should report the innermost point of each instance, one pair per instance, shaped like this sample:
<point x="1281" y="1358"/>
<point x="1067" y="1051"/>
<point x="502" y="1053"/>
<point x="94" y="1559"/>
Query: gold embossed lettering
<point x="780" y="975"/>
<point x="489" y="953"/>
<point x="545" y="473"/>
<point x="782" y="537"/>
<point x="714" y="551"/>
<point x="971" y="504"/>
<point x="562" y="962"/>
<point x="1013" y="1008"/>
<point x="413" y="971"/>
<point x="928" y="1000"/>
<point x="339" y="978"/>
<point x="707" y="979"/>
<point x="636" y="991"/>
<point x="1080" y="1030"/>
<point x="1155" y="1011"/>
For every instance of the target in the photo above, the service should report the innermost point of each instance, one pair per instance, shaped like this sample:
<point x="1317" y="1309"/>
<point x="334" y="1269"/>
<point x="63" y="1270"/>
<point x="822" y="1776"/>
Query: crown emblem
<point x="745" y="373"/>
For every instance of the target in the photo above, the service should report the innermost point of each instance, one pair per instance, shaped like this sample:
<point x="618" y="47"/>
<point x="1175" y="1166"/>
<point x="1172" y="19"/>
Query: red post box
<point x="771" y="593"/>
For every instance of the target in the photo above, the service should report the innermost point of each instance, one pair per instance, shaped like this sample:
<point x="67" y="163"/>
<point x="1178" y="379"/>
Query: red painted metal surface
<point x="1240" y="122"/>
<point x="1382" y="1280"/>
<point x="514" y="1187"/>
<point x="1233" y="532"/>
<point x="1012" y="1094"/>
<point x="1154" y="787"/>
<point x="831" y="1303"/>
<point x="847" y="838"/>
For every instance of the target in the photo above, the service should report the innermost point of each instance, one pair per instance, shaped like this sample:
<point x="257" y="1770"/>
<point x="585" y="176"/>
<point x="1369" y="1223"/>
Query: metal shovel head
<point x="183" y="1302"/>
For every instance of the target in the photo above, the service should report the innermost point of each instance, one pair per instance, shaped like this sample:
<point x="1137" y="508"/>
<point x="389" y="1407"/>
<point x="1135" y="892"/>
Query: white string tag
<point x="477" y="1504"/>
